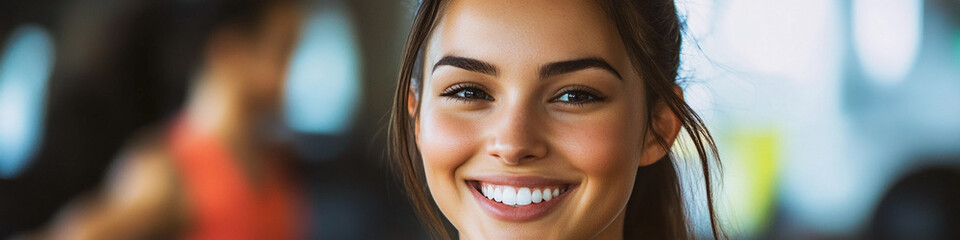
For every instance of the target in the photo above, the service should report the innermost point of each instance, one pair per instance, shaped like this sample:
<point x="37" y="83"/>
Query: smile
<point x="520" y="196"/>
<point x="519" y="199"/>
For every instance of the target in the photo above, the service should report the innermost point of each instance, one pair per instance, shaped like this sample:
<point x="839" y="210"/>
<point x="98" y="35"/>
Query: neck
<point x="215" y="108"/>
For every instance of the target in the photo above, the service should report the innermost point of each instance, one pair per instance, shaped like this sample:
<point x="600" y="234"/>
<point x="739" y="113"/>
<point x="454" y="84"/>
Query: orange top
<point x="223" y="202"/>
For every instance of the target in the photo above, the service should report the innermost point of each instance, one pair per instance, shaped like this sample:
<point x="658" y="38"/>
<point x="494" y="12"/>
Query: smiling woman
<point x="546" y="120"/>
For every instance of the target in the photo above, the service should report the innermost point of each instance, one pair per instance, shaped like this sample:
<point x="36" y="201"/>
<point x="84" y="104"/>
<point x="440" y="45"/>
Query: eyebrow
<point x="468" y="64"/>
<point x="562" y="67"/>
<point x="546" y="71"/>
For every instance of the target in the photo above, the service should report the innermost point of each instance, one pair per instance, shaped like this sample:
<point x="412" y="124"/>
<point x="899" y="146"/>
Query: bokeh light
<point x="887" y="36"/>
<point x="26" y="64"/>
<point x="323" y="88"/>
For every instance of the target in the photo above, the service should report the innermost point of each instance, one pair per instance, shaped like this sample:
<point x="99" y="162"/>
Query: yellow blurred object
<point x="750" y="176"/>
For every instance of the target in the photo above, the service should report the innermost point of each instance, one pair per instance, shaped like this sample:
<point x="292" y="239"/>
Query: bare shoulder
<point x="144" y="171"/>
<point x="139" y="199"/>
<point x="145" y="161"/>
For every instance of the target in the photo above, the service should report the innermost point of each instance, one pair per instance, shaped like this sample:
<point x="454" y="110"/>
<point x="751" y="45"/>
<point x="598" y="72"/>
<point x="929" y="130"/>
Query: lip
<point x="518" y="213"/>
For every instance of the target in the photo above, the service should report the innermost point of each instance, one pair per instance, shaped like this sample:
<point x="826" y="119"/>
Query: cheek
<point x="605" y="148"/>
<point x="601" y="145"/>
<point x="267" y="79"/>
<point x="446" y="142"/>
<point x="270" y="75"/>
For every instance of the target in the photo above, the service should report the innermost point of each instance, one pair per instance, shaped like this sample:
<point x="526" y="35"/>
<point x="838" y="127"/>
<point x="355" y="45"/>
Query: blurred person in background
<point x="214" y="171"/>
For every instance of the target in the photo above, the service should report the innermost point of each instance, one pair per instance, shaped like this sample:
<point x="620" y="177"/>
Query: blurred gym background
<point x="835" y="119"/>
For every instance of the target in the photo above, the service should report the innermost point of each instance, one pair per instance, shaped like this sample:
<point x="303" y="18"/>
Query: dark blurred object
<point x="922" y="205"/>
<point x="103" y="88"/>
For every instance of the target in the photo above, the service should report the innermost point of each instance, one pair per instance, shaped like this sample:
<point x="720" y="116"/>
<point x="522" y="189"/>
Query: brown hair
<point x="651" y="31"/>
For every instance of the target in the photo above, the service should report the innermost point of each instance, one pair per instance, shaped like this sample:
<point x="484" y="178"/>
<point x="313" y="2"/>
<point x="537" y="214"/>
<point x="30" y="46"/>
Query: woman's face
<point x="262" y="58"/>
<point x="531" y="120"/>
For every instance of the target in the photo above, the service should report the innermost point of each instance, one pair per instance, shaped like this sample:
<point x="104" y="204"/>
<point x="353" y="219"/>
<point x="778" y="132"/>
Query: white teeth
<point x="489" y="193"/>
<point x="523" y="197"/>
<point x="518" y="196"/>
<point x="509" y="195"/>
<point x="536" y="197"/>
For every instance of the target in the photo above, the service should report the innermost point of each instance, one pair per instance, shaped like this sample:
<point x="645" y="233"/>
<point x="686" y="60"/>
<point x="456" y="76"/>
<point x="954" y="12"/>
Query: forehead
<point x="283" y="17"/>
<point x="281" y="22"/>
<point x="512" y="32"/>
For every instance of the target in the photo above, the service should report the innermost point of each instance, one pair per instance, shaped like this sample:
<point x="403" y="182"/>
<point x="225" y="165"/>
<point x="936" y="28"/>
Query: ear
<point x="667" y="125"/>
<point x="412" y="103"/>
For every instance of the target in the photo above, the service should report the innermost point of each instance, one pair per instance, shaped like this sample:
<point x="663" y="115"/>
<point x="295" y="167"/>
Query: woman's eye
<point x="468" y="93"/>
<point x="577" y="97"/>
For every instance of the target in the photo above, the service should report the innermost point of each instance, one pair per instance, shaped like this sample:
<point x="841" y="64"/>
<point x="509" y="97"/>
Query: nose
<point x="516" y="137"/>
